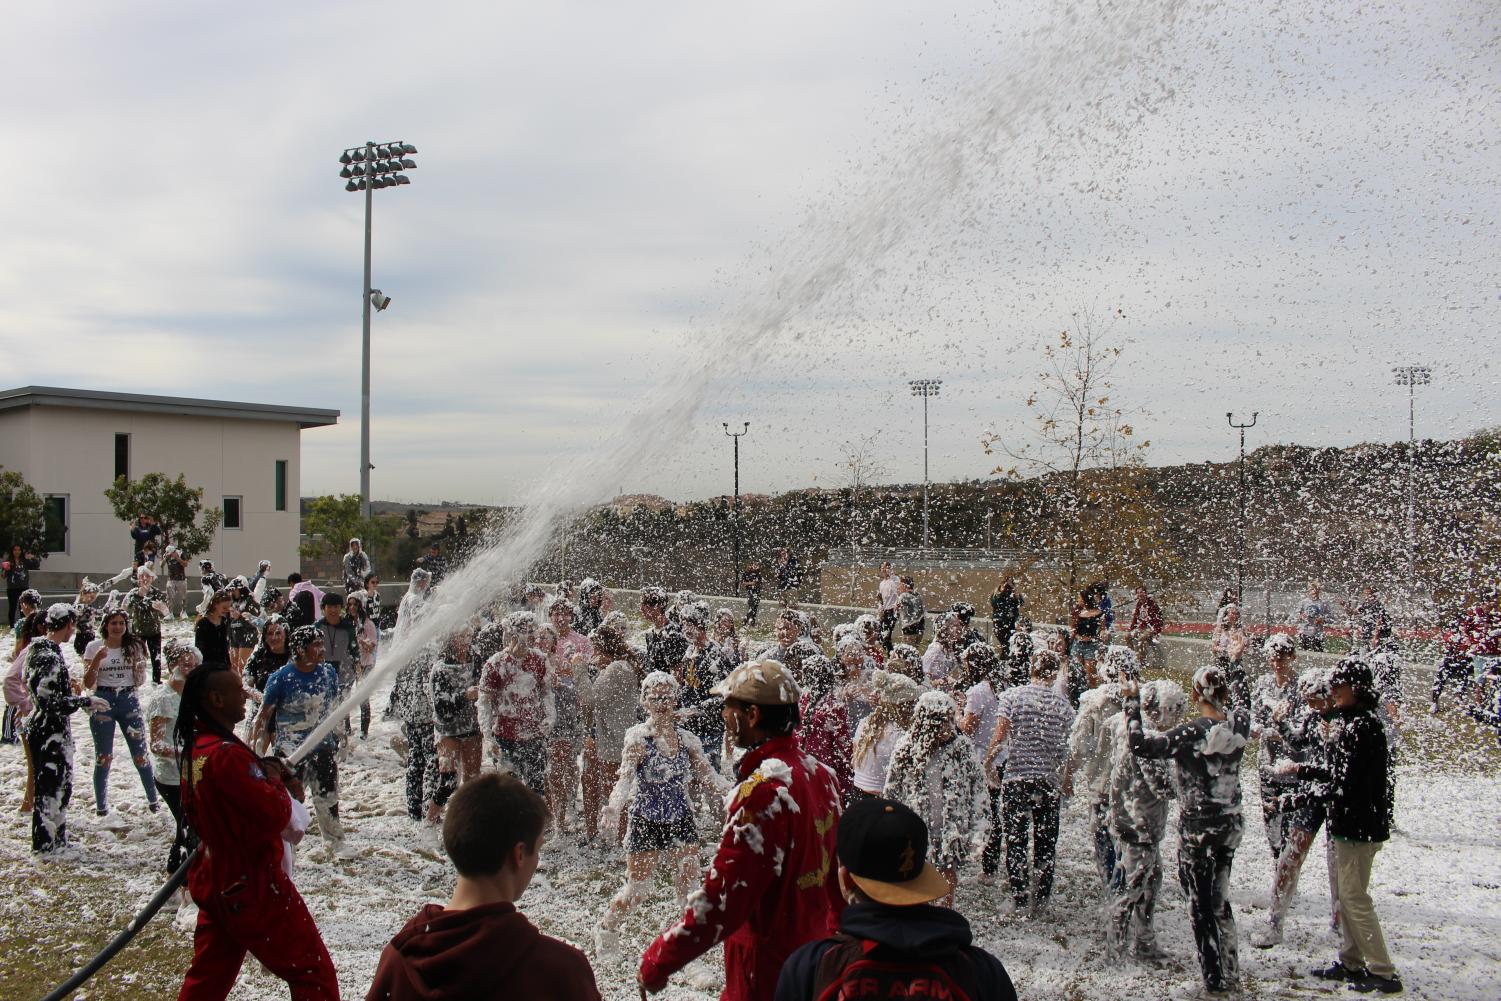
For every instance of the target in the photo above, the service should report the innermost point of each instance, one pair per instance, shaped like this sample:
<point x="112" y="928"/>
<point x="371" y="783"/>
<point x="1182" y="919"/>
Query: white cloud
<point x="1313" y="202"/>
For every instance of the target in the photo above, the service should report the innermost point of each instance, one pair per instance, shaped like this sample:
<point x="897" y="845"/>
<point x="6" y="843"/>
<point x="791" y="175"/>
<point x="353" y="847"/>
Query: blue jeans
<point x="124" y="709"/>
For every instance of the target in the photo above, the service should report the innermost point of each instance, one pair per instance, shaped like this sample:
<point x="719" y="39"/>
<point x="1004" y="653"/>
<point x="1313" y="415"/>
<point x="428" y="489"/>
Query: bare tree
<point x="1096" y="512"/>
<point x="861" y="466"/>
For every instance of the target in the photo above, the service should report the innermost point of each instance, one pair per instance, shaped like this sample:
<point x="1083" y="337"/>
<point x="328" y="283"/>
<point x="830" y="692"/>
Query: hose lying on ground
<point x="130" y="931"/>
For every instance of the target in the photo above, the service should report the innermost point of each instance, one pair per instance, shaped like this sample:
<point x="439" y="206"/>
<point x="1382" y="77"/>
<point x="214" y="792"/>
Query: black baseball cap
<point x="884" y="847"/>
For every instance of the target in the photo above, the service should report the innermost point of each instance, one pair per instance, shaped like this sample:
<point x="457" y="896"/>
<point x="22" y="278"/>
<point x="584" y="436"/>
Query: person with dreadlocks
<point x="49" y="730"/>
<point x="298" y="698"/>
<point x="936" y="772"/>
<point x="238" y="805"/>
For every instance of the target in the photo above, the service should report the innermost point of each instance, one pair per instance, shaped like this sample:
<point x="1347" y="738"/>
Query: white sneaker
<point x="341" y="850"/>
<point x="701" y="977"/>
<point x="606" y="943"/>
<point x="186" y="918"/>
<point x="1267" y="936"/>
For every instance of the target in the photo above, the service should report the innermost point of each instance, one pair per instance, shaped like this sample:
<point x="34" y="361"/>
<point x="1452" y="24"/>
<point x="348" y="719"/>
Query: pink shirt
<point x="575" y="643"/>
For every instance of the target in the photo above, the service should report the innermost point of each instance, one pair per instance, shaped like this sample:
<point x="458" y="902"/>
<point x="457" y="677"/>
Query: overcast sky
<point x="1284" y="205"/>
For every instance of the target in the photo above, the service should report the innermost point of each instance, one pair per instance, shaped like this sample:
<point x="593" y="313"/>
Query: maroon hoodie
<point x="491" y="951"/>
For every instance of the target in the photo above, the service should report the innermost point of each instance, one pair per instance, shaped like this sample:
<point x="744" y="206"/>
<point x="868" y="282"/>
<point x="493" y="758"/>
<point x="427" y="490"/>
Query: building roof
<point x="90" y="399"/>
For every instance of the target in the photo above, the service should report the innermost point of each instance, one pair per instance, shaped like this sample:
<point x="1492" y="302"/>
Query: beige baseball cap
<point x="761" y="683"/>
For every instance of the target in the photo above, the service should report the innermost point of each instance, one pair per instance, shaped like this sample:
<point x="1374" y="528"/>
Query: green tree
<point x="333" y="519"/>
<point x="177" y="508"/>
<point x="22" y="514"/>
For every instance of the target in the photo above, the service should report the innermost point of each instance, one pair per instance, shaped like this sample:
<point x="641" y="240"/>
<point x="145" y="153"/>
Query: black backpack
<point x="859" y="968"/>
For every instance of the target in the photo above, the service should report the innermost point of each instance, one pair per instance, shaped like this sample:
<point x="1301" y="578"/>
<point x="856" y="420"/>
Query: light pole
<point x="373" y="165"/>
<point x="925" y="388"/>
<point x="1412" y="376"/>
<point x="1240" y="559"/>
<point x="735" y="516"/>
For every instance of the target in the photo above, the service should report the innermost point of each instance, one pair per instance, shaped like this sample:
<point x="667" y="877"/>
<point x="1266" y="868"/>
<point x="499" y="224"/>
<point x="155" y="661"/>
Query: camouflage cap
<point x="761" y="683"/>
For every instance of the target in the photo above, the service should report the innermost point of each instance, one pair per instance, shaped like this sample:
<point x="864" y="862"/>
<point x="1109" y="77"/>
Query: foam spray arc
<point x="1076" y="58"/>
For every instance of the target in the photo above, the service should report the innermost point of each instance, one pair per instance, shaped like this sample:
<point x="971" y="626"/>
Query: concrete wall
<point x="68" y="451"/>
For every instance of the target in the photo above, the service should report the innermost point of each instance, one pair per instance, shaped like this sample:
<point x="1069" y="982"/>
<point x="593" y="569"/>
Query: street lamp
<point x="1412" y="376"/>
<point x="366" y="168"/>
<point x="925" y="388"/>
<point x="735" y="583"/>
<point x="1240" y="559"/>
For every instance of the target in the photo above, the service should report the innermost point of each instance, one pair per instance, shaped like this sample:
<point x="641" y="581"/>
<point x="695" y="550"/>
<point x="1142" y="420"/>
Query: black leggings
<point x="1205" y="853"/>
<point x="1453" y="669"/>
<point x="184" y="840"/>
<point x="995" y="842"/>
<point x="1030" y="807"/>
<point x="13" y="601"/>
<point x="426" y="782"/>
<point x="154" y="644"/>
<point x="52" y="757"/>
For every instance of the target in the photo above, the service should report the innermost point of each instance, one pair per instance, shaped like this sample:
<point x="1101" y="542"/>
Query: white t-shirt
<point x="937" y="663"/>
<point x="164" y="704"/>
<point x="889" y="589"/>
<point x="115" y="670"/>
<point x="982" y="701"/>
<point x="870" y="769"/>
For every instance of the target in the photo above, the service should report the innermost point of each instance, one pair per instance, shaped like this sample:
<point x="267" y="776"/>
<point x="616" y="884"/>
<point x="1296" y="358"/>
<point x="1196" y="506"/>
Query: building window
<point x="55" y="515"/>
<point x="281" y="484"/>
<point x="231" y="512"/>
<point x="122" y="456"/>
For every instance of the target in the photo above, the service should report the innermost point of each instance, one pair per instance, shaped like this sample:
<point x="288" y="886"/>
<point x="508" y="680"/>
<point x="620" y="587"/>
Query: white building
<point x="71" y="444"/>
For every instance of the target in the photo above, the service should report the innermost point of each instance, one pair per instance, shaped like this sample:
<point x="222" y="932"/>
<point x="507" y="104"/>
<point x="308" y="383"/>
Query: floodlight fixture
<point x="370" y="167"/>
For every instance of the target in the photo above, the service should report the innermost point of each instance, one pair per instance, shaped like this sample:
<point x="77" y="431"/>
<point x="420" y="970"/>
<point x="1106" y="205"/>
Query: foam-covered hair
<point x="1211" y="685"/>
<point x="1164" y="701"/>
<point x="659" y="679"/>
<point x="1118" y="660"/>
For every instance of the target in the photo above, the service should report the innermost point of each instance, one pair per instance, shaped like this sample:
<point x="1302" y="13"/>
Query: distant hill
<point x="1338" y="515"/>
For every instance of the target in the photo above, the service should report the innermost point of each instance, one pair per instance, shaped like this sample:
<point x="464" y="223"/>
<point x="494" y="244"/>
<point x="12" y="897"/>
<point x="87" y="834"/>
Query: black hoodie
<point x="924" y="931"/>
<point x="485" y="952"/>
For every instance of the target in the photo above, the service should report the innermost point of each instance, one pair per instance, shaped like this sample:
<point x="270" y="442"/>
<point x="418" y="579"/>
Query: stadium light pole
<point x="366" y="168"/>
<point x="1240" y="559"/>
<point x="925" y="388"/>
<point x="1412" y="376"/>
<point x="735" y="517"/>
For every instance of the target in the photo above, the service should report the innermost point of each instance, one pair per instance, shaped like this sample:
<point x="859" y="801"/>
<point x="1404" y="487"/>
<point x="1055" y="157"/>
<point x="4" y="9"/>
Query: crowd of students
<point x="628" y="740"/>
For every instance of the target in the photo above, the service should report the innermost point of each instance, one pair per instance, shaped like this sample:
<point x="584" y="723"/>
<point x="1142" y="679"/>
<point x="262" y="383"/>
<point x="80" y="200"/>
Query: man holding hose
<point x="239" y="805"/>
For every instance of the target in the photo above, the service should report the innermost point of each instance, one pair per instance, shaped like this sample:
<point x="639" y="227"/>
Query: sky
<point x="1281" y="203"/>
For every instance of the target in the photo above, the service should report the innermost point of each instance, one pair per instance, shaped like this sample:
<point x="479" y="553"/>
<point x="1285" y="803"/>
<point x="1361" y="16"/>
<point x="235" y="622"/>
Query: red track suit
<point x="246" y="901"/>
<point x="773" y="884"/>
